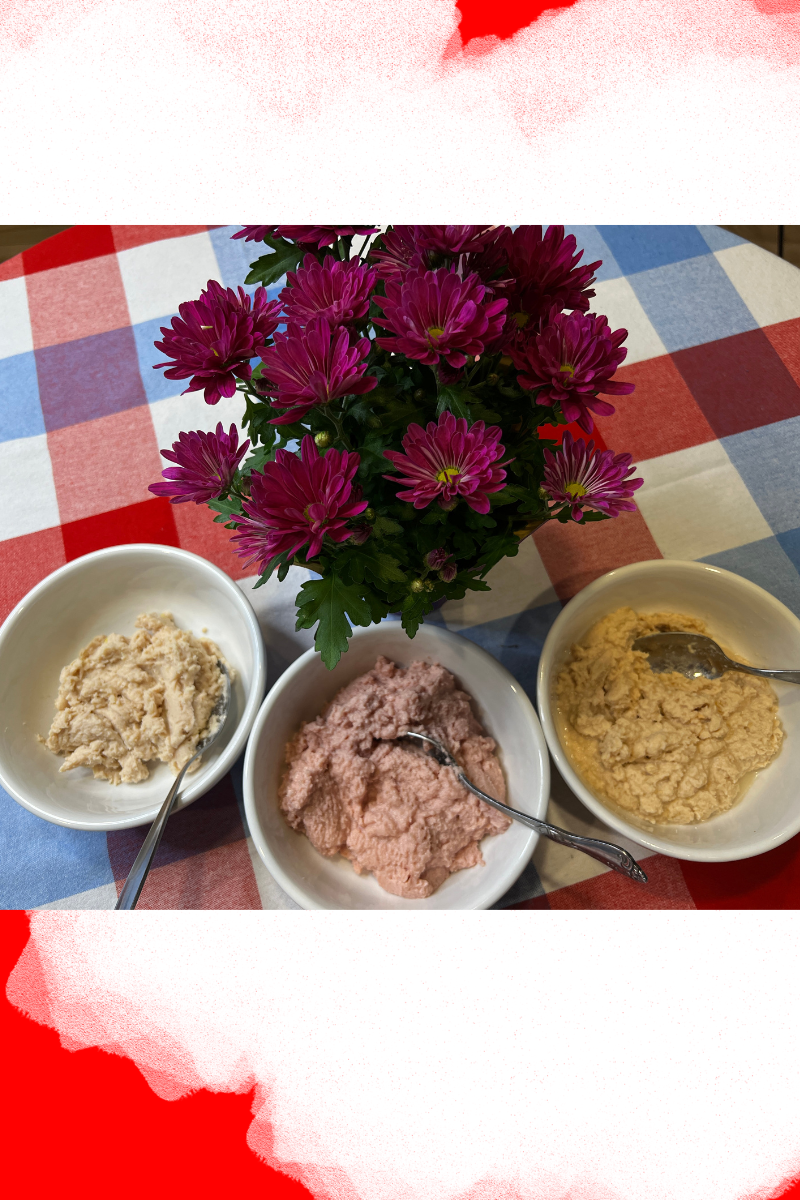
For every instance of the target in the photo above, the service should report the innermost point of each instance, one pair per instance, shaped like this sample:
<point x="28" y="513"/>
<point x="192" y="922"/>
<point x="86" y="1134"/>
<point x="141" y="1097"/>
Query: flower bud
<point x="448" y="572"/>
<point x="436" y="558"/>
<point x="429" y="585"/>
<point x="322" y="439"/>
<point x="418" y="394"/>
<point x="369" y="514"/>
<point x="418" y="585"/>
<point x="493" y="378"/>
<point x="449" y="505"/>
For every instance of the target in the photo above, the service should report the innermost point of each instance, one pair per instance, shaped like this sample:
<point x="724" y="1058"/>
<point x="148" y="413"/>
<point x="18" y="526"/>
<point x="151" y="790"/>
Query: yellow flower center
<point x="434" y="331"/>
<point x="576" y="489"/>
<point x="522" y="319"/>
<point x="447" y="474"/>
<point x="567" y="369"/>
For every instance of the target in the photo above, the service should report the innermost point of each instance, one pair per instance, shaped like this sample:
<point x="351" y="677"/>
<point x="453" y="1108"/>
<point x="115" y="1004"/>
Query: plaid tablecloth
<point x="714" y="426"/>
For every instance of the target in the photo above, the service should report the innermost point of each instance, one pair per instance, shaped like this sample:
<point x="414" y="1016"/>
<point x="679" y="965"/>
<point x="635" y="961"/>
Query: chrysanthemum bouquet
<point x="394" y="410"/>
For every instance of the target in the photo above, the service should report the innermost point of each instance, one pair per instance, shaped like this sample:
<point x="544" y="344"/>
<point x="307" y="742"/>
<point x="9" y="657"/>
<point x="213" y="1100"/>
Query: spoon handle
<point x="605" y="852"/>
<point x="786" y="676"/>
<point x="141" y="867"/>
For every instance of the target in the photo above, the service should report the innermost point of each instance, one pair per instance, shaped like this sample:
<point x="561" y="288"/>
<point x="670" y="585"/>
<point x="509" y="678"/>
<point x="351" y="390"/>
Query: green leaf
<point x="435" y="516"/>
<point x="565" y="516"/>
<point x="230" y="507"/>
<point x="280" y="561"/>
<point x="463" y="544"/>
<point x="384" y="526"/>
<point x="259" y="458"/>
<point x="330" y="602"/>
<point x="271" y="267"/>
<point x="456" y="399"/>
<point x="389" y="569"/>
<point x="509" y="495"/>
<point x="476" y="520"/>
<point x="481" y="413"/>
<point x="413" y="612"/>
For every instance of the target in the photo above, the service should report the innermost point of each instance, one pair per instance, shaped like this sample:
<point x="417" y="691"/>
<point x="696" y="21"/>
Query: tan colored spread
<point x="124" y="702"/>
<point x="386" y="805"/>
<point x="664" y="747"/>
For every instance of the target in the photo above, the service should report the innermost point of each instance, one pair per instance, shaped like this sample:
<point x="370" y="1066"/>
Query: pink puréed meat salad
<point x="387" y="805"/>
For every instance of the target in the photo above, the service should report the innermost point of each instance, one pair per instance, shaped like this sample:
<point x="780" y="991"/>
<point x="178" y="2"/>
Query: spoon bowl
<point x="697" y="657"/>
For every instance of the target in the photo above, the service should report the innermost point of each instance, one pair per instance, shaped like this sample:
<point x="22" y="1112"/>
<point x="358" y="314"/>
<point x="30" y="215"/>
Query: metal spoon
<point x="696" y="656"/>
<point x="605" y="852"/>
<point x="139" y="871"/>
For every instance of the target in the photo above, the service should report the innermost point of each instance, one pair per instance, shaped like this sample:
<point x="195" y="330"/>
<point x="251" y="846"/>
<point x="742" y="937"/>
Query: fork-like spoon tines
<point x="139" y="871"/>
<point x="605" y="852"/>
<point x="697" y="657"/>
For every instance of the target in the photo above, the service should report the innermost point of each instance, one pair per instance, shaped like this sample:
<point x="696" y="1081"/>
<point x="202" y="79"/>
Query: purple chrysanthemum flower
<point x="254" y="233"/>
<point x="215" y="337"/>
<point x="415" y="247"/>
<point x="207" y="463"/>
<point x="581" y="477"/>
<point x="571" y="360"/>
<point x="322" y="235"/>
<point x="338" y="291"/>
<point x="312" y="366"/>
<point x="546" y="275"/>
<point x="397" y="254"/>
<point x="298" y="501"/>
<point x="438" y="313"/>
<point x="449" y="460"/>
<point x="439" y="560"/>
<point x="453" y="240"/>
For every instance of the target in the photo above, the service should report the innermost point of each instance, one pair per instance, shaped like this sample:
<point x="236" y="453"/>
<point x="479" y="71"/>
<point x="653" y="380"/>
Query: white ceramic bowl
<point x="104" y="592"/>
<point x="747" y="621"/>
<point x="302" y="692"/>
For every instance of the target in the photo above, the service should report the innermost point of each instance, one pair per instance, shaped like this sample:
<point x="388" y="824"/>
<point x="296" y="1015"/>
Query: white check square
<point x="27" y="490"/>
<point x="617" y="299"/>
<point x="162" y="275"/>
<point x="695" y="503"/>
<point x="15" y="321"/>
<point x="182" y="414"/>
<point x="769" y="286"/>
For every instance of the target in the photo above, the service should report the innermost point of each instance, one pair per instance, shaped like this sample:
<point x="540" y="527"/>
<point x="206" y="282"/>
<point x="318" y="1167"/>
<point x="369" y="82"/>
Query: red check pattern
<point x="78" y="396"/>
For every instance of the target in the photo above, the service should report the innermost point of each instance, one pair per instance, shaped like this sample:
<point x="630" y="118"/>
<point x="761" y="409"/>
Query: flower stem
<point x="361" y="254"/>
<point x="337" y="425"/>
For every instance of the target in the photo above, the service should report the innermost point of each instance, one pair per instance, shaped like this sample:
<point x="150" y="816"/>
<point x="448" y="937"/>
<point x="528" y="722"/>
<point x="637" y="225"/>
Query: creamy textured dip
<point x="386" y="805"/>
<point x="664" y="747"/>
<point x="124" y="702"/>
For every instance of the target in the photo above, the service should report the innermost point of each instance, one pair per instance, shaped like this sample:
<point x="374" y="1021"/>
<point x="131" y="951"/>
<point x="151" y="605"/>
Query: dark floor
<point x="16" y="238"/>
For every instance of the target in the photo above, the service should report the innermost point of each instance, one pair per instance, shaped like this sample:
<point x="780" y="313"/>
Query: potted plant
<point x="395" y="410"/>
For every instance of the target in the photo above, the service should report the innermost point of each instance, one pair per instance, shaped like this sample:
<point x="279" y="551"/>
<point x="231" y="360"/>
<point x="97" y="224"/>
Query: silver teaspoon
<point x="605" y="852"/>
<point x="697" y="657"/>
<point x="139" y="871"/>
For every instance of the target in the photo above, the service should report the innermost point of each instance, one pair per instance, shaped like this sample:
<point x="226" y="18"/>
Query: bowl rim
<point x="199" y="786"/>
<point x="608" y="816"/>
<point x="281" y="877"/>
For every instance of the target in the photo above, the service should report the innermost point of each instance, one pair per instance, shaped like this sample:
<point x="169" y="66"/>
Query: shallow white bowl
<point x="753" y="626"/>
<point x="104" y="592"/>
<point x="302" y="692"/>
